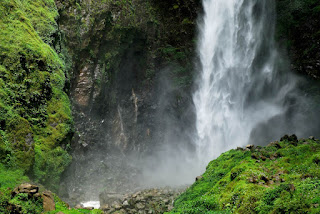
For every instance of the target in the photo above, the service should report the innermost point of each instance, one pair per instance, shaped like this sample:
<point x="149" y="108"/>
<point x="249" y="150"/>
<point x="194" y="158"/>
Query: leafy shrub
<point x="28" y="205"/>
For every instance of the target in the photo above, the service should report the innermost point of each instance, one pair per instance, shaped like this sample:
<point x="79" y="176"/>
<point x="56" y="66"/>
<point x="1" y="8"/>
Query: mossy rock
<point x="20" y="135"/>
<point x="287" y="181"/>
<point x="35" y="110"/>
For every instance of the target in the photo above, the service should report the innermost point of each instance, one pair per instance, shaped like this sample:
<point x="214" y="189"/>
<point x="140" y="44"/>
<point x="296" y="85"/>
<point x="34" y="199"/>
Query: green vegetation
<point x="181" y="65"/>
<point x="298" y="28"/>
<point x="132" y="33"/>
<point x="27" y="205"/>
<point x="35" y="114"/>
<point x="9" y="179"/>
<point x="280" y="178"/>
<point x="63" y="207"/>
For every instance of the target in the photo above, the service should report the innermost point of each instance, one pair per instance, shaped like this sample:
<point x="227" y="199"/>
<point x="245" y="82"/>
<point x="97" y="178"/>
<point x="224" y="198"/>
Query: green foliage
<point x="131" y="33"/>
<point x="63" y="207"/>
<point x="264" y="180"/>
<point x="292" y="13"/>
<point x="8" y="180"/>
<point x="298" y="29"/>
<point x="50" y="164"/>
<point x="35" y="111"/>
<point x="77" y="211"/>
<point x="28" y="205"/>
<point x="181" y="66"/>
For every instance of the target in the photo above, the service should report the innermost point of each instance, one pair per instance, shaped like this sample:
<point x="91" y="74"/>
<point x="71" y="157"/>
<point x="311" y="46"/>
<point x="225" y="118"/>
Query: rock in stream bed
<point x="157" y="200"/>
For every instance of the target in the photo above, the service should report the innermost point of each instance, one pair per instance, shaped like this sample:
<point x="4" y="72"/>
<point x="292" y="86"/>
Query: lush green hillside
<point x="280" y="178"/>
<point x="35" y="114"/>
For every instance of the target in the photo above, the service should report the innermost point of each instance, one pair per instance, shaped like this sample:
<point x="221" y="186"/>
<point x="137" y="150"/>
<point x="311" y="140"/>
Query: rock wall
<point x="298" y="32"/>
<point x="131" y="73"/>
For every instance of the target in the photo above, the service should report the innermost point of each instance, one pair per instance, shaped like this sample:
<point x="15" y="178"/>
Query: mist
<point x="243" y="93"/>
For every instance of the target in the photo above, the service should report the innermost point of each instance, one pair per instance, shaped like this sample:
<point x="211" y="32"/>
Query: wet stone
<point x="145" y="201"/>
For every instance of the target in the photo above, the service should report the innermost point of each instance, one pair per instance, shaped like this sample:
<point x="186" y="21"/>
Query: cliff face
<point x="127" y="67"/>
<point x="131" y="75"/>
<point x="35" y="114"/>
<point x="298" y="31"/>
<point x="118" y="50"/>
<point x="123" y="64"/>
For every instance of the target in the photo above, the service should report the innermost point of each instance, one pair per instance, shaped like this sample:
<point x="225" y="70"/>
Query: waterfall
<point x="239" y="85"/>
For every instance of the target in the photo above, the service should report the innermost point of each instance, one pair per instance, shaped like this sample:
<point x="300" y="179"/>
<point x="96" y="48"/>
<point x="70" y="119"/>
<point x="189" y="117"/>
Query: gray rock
<point x="140" y="206"/>
<point x="199" y="178"/>
<point x="250" y="146"/>
<point x="125" y="204"/>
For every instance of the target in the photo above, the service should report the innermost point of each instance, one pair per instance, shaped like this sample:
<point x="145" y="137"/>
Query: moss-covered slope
<point x="35" y="114"/>
<point x="280" y="178"/>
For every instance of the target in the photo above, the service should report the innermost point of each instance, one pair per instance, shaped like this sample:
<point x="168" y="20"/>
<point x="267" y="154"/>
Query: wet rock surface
<point x="122" y="98"/>
<point x="157" y="200"/>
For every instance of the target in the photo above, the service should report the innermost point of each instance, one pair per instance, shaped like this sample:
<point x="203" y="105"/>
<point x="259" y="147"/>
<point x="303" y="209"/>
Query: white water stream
<point x="94" y="204"/>
<point x="239" y="83"/>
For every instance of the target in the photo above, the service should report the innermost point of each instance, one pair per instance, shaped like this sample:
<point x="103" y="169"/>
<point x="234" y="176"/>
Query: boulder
<point x="275" y="144"/>
<point x="254" y="156"/>
<point x="250" y="146"/>
<point x="312" y="138"/>
<point x="144" y="201"/>
<point x="125" y="204"/>
<point x="199" y="178"/>
<point x="285" y="137"/>
<point x="239" y="149"/>
<point x="48" y="201"/>
<point x="105" y="207"/>
<point x="292" y="138"/>
<point x="30" y="189"/>
<point x="140" y="206"/>
<point x="110" y="198"/>
<point x="78" y="206"/>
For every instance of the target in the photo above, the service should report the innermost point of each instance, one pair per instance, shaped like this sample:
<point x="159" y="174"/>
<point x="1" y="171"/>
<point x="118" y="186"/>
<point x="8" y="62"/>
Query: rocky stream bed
<point x="155" y="200"/>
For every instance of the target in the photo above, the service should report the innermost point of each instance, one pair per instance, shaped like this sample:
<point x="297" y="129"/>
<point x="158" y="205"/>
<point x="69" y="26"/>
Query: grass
<point x="9" y="179"/>
<point x="264" y="180"/>
<point x="63" y="207"/>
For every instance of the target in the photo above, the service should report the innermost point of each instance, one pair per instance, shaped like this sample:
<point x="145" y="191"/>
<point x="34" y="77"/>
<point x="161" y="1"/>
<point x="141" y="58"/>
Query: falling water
<point x="240" y="85"/>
